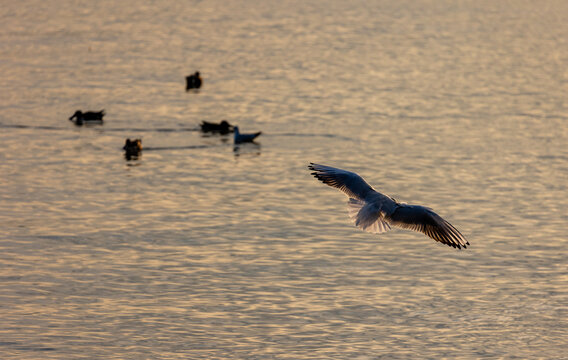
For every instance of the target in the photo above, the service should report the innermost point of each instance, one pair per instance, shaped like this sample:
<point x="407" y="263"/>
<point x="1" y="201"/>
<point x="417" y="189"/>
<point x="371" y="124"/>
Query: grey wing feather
<point x="424" y="220"/>
<point x="350" y="183"/>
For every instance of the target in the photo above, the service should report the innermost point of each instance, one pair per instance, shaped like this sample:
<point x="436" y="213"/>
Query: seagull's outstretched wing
<point x="350" y="183"/>
<point x="424" y="220"/>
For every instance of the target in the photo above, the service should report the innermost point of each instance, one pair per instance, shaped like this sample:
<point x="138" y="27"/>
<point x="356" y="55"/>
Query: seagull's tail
<point x="367" y="217"/>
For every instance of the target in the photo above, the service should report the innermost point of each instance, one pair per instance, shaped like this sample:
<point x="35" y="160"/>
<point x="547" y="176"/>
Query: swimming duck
<point x="193" y="81"/>
<point x="89" y="116"/>
<point x="223" y="127"/>
<point x="133" y="147"/>
<point x="241" y="138"/>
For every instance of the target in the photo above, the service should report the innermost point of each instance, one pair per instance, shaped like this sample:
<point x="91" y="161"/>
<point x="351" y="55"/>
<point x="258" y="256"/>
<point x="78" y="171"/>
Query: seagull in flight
<point x="374" y="212"/>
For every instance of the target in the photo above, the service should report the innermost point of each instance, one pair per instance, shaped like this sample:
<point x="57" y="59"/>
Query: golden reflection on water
<point x="200" y="249"/>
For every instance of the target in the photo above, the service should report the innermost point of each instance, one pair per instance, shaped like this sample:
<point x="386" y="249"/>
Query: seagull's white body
<point x="375" y="212"/>
<point x="241" y="138"/>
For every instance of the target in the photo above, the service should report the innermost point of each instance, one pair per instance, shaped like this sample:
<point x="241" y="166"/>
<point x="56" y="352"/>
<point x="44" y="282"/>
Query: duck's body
<point x="241" y="138"/>
<point x="95" y="117"/>
<point x="193" y="81"/>
<point x="375" y="212"/>
<point x="223" y="127"/>
<point x="133" y="147"/>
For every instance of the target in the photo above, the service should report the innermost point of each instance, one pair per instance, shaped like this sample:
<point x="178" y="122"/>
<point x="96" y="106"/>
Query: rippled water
<point x="200" y="250"/>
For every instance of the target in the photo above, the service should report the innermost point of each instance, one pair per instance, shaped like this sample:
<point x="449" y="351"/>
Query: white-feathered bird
<point x="241" y="138"/>
<point x="375" y="212"/>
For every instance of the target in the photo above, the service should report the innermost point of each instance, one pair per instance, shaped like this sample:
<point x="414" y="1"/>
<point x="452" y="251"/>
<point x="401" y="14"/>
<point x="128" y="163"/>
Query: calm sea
<point x="202" y="250"/>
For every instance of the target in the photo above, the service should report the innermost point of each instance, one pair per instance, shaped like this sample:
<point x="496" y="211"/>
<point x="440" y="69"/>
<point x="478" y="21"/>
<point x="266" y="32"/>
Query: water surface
<point x="198" y="249"/>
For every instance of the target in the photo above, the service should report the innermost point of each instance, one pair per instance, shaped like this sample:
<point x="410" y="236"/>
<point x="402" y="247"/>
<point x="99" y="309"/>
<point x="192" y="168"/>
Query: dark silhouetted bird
<point x="223" y="127"/>
<point x="87" y="117"/>
<point x="193" y="81"/>
<point x="132" y="148"/>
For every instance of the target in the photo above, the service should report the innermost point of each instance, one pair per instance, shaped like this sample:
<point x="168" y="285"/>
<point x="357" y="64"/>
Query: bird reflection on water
<point x="134" y="154"/>
<point x="250" y="148"/>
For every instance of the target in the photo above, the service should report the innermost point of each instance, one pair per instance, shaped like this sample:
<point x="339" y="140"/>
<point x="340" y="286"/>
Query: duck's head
<point x="133" y="145"/>
<point x="77" y="114"/>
